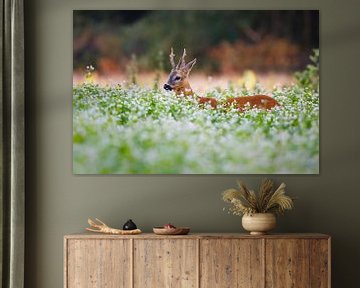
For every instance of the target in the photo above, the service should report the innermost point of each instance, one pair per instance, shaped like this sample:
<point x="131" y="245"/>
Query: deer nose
<point x="167" y="87"/>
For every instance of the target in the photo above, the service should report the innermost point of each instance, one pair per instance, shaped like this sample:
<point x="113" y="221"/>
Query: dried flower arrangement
<point x="267" y="200"/>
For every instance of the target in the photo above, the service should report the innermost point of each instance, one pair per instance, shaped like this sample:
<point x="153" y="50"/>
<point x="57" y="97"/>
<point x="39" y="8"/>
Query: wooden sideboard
<point x="197" y="260"/>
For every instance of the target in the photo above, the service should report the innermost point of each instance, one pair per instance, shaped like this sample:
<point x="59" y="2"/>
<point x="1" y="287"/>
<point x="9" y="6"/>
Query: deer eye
<point x="177" y="78"/>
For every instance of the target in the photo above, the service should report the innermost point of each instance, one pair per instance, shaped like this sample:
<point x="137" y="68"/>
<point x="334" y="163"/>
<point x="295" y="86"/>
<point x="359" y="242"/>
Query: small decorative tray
<point x="171" y="231"/>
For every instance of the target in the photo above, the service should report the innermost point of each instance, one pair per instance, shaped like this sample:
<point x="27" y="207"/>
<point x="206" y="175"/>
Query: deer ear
<point x="190" y="65"/>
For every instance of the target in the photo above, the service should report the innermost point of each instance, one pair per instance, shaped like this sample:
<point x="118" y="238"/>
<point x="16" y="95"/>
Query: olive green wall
<point x="59" y="202"/>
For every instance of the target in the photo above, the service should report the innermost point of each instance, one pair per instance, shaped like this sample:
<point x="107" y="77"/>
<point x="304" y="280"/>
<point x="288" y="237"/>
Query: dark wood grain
<point x="319" y="263"/>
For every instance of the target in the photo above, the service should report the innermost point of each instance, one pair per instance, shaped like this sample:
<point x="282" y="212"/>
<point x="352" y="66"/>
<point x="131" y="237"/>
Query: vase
<point x="129" y="225"/>
<point x="259" y="223"/>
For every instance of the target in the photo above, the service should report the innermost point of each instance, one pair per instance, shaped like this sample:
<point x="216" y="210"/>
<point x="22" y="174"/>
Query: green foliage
<point x="141" y="130"/>
<point x="310" y="76"/>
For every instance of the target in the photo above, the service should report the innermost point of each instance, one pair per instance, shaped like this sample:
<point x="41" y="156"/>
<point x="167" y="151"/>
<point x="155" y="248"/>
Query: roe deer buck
<point x="178" y="81"/>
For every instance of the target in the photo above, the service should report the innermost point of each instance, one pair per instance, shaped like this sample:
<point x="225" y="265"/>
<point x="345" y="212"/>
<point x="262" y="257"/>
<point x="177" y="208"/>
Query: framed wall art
<point x="196" y="92"/>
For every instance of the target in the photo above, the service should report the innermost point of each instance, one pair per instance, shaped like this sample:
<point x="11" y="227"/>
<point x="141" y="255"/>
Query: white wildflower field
<point x="137" y="130"/>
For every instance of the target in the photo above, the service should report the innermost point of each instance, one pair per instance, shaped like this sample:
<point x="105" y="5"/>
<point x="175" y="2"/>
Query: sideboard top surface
<point x="87" y="235"/>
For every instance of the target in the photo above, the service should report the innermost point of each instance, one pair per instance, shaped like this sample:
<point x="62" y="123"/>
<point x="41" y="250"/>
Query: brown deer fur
<point x="179" y="83"/>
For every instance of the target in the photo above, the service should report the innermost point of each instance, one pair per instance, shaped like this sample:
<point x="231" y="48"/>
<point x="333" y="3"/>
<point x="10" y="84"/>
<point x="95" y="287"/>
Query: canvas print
<point x="196" y="92"/>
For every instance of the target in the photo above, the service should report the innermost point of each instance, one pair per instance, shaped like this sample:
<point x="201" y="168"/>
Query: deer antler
<point x="101" y="227"/>
<point x="182" y="60"/>
<point x="172" y="55"/>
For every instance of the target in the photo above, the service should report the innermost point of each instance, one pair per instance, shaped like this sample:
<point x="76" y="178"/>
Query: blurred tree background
<point x="223" y="41"/>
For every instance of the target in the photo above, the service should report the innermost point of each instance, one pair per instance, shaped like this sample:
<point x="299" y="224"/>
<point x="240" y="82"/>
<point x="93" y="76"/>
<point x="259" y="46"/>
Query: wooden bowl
<point x="171" y="231"/>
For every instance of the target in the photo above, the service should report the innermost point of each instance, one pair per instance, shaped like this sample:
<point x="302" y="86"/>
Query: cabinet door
<point x="320" y="263"/>
<point x="165" y="263"/>
<point x="231" y="263"/>
<point x="98" y="263"/>
<point x="287" y="263"/>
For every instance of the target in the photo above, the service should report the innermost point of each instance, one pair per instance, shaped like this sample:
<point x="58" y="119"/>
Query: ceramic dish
<point x="171" y="231"/>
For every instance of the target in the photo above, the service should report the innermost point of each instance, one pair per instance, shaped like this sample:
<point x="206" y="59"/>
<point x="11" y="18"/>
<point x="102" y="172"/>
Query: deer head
<point x="178" y="78"/>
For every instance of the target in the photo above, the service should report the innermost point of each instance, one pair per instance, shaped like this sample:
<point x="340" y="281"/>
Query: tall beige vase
<point x="259" y="223"/>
